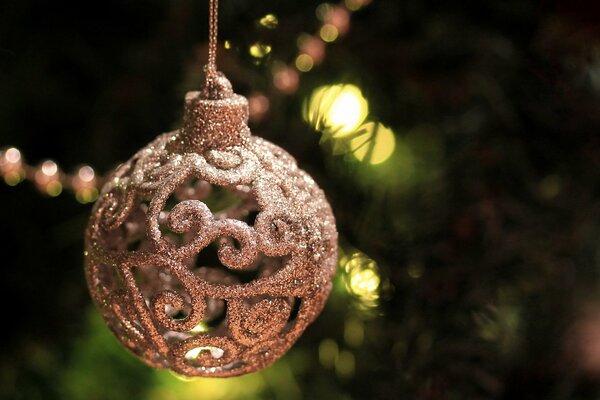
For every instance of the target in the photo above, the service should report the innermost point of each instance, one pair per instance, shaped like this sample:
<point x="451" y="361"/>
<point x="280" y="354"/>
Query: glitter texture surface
<point x="209" y="252"/>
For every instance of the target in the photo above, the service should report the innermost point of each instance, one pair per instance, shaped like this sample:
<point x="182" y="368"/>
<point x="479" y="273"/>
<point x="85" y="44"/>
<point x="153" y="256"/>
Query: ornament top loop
<point x="217" y="86"/>
<point x="215" y="117"/>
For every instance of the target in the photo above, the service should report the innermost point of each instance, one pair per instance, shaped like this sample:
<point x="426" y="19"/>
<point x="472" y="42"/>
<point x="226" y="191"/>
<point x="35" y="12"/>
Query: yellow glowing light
<point x="375" y="145"/>
<point x="338" y="109"/>
<point x="215" y="352"/>
<point x="269" y="21"/>
<point x="54" y="188"/>
<point x="415" y="270"/>
<point x="323" y="11"/>
<point x="200" y="328"/>
<point x="365" y="282"/>
<point x="182" y="378"/>
<point x="362" y="278"/>
<point x="328" y="33"/>
<point x="259" y="50"/>
<point x="12" y="155"/>
<point x="354" y="332"/>
<point x="227" y="45"/>
<point x="13" y="178"/>
<point x="328" y="353"/>
<point x="49" y="168"/>
<point x="86" y="195"/>
<point x="345" y="364"/>
<point x="304" y="63"/>
<point x="302" y="39"/>
<point x="354" y="5"/>
<point x="171" y="386"/>
<point x="550" y="186"/>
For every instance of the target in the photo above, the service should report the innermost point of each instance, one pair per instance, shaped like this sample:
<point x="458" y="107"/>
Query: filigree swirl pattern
<point x="210" y="261"/>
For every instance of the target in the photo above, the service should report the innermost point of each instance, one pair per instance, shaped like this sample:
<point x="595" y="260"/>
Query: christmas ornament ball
<point x="209" y="251"/>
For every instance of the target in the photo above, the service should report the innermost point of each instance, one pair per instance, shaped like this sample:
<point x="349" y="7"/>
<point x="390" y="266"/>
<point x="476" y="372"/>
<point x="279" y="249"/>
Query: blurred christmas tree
<point x="458" y="143"/>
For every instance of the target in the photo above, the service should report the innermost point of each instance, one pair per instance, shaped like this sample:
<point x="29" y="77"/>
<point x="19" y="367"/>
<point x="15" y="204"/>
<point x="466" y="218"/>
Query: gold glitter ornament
<point x="209" y="251"/>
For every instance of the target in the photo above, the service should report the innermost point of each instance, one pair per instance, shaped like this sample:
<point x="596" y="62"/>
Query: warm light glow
<point x="12" y="155"/>
<point x="269" y="21"/>
<point x="227" y="45"/>
<point x="54" y="188"/>
<point x="328" y="33"/>
<point x="286" y="80"/>
<point x="49" y="168"/>
<point x="193" y="354"/>
<point x="375" y="145"/>
<point x="362" y="278"/>
<point x="12" y="178"/>
<point x="354" y="5"/>
<point x="86" y="195"/>
<point x="365" y="282"/>
<point x="339" y="17"/>
<point x="323" y="10"/>
<point x="258" y="103"/>
<point x="86" y="173"/>
<point x="415" y="270"/>
<point x="354" y="332"/>
<point x="304" y="62"/>
<point x="200" y="328"/>
<point x="328" y="353"/>
<point x="313" y="46"/>
<point x="345" y="364"/>
<point x="338" y="109"/>
<point x="259" y="50"/>
<point x="550" y="186"/>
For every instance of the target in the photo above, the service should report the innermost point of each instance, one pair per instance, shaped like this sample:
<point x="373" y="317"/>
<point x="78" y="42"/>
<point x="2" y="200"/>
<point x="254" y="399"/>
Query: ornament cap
<point x="215" y="117"/>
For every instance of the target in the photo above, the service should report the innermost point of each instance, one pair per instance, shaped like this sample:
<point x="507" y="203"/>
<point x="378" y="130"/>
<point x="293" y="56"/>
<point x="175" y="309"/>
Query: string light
<point x="48" y="177"/>
<point x="11" y="166"/>
<point x="84" y="183"/>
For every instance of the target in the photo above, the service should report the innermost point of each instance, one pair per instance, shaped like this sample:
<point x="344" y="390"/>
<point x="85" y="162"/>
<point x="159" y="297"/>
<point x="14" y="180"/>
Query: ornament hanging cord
<point x="213" y="26"/>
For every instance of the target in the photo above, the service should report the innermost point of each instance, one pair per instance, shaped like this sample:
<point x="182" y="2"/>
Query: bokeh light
<point x="304" y="62"/>
<point x="11" y="166"/>
<point x="312" y="46"/>
<point x="345" y="364"/>
<point x="269" y="21"/>
<point x="354" y="5"/>
<point x="337" y="109"/>
<point x="259" y="50"/>
<point x="258" y="105"/>
<point x="362" y="279"/>
<point x="328" y="353"/>
<point x="375" y="144"/>
<point x="285" y="79"/>
<point x="84" y="184"/>
<point x="47" y="179"/>
<point x="328" y="33"/>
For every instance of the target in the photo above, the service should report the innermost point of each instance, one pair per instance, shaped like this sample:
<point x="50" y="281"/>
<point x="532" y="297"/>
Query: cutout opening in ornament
<point x="194" y="353"/>
<point x="135" y="244"/>
<point x="107" y="277"/>
<point x="207" y="266"/>
<point x="296" y="304"/>
<point x="193" y="189"/>
<point x="216" y="313"/>
<point x="250" y="217"/>
<point x="153" y="281"/>
<point x="222" y="199"/>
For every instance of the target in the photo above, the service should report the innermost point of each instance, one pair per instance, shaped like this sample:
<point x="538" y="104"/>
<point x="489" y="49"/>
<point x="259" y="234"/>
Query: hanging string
<point x="211" y="69"/>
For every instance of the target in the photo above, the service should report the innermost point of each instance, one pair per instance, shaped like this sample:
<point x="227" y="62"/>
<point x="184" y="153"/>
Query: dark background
<point x="487" y="244"/>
